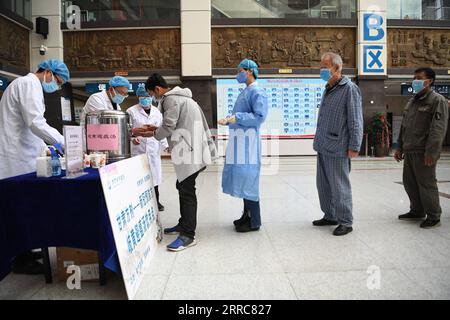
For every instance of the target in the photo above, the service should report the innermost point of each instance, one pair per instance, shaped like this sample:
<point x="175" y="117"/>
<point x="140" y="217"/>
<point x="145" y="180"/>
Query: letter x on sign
<point x="372" y="58"/>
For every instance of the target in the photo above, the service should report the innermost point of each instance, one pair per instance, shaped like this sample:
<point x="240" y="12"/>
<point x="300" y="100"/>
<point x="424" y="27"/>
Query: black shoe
<point x="30" y="255"/>
<point x="411" y="216"/>
<point x="36" y="255"/>
<point x="342" y="230"/>
<point x="243" y="219"/>
<point x="28" y="267"/>
<point x="245" y="227"/>
<point x="428" y="224"/>
<point x="324" y="222"/>
<point x="160" y="207"/>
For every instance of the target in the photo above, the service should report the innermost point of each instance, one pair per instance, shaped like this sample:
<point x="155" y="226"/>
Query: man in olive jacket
<point x="422" y="133"/>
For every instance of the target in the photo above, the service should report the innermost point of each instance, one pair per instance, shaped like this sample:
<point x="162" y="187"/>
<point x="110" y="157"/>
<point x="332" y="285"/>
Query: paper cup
<point x="95" y="160"/>
<point x="87" y="161"/>
<point x="102" y="160"/>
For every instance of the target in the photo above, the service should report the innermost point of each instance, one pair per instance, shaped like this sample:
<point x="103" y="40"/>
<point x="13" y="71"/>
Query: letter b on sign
<point x="373" y="27"/>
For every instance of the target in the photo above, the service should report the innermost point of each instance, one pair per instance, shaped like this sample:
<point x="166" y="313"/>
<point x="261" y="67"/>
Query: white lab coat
<point x="99" y="101"/>
<point x="23" y="128"/>
<point x="149" y="146"/>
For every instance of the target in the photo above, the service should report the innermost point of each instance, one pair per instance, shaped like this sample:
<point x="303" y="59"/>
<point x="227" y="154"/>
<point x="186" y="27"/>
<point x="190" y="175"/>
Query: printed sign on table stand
<point x="73" y="137"/>
<point x="133" y="212"/>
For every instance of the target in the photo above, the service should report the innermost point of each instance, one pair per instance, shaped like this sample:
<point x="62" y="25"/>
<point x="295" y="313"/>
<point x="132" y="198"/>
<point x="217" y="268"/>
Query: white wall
<point x="196" y="38"/>
<point x="50" y="9"/>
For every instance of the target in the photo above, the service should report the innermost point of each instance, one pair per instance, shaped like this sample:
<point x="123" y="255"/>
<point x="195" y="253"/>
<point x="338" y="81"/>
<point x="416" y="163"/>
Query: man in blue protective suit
<point x="243" y="155"/>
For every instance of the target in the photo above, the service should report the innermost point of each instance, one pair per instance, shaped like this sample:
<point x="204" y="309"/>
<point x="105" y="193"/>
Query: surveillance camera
<point x="42" y="50"/>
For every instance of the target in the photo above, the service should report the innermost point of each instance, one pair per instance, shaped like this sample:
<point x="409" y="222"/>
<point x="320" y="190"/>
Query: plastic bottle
<point x="56" y="165"/>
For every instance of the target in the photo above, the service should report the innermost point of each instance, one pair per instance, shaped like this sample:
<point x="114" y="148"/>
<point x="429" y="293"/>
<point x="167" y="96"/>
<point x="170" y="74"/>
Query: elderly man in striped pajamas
<point x="338" y="139"/>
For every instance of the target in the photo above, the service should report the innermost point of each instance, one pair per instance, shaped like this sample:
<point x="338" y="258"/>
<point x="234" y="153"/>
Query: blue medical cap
<point x="250" y="65"/>
<point x="119" y="81"/>
<point x="141" y="92"/>
<point x="57" y="67"/>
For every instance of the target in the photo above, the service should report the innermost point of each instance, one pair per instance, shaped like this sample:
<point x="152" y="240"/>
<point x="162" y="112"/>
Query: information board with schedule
<point x="293" y="105"/>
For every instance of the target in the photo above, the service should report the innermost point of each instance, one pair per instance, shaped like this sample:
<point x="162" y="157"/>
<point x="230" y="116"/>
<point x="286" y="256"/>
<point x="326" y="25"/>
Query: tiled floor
<point x="288" y="258"/>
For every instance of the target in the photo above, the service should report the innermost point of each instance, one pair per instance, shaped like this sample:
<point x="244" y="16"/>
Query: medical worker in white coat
<point x="24" y="132"/>
<point x="109" y="99"/>
<point x="23" y="128"/>
<point x="144" y="113"/>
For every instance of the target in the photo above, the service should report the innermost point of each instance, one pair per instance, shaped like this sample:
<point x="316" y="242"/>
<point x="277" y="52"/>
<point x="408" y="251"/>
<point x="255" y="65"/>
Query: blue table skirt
<point x="54" y="212"/>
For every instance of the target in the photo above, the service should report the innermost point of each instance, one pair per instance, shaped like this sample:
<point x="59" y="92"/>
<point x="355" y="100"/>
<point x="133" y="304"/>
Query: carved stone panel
<point x="122" y="50"/>
<point x="15" y="45"/>
<point x="411" y="48"/>
<point x="282" y="47"/>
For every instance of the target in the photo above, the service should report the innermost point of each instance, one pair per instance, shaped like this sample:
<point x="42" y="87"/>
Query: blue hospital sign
<point x="373" y="27"/>
<point x="372" y="58"/>
<point x="372" y="38"/>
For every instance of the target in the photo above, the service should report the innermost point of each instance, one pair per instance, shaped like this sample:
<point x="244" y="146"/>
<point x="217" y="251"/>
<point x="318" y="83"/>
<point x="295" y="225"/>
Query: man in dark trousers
<point x="422" y="133"/>
<point x="192" y="149"/>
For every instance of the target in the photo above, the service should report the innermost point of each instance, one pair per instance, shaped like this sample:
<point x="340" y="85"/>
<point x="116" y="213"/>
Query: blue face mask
<point x="325" y="74"/>
<point x="50" y="87"/>
<point x="418" y="85"/>
<point x="118" y="98"/>
<point x="241" y="77"/>
<point x="146" y="102"/>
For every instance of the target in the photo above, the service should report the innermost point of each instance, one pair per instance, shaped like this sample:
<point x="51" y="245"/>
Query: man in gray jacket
<point x="338" y="139"/>
<point x="192" y="149"/>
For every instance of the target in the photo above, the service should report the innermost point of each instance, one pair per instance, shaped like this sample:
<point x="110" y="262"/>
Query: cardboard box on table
<point x="87" y="260"/>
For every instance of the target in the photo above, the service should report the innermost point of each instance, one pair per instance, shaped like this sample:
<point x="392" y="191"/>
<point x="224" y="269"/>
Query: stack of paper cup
<point x="98" y="160"/>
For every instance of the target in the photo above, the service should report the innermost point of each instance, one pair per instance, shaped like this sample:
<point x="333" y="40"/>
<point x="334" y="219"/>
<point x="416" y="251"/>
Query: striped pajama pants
<point x="335" y="191"/>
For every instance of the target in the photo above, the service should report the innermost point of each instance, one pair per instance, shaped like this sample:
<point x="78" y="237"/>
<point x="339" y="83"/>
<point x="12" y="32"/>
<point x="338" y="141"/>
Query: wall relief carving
<point x="282" y="47"/>
<point x="122" y="50"/>
<point x="416" y="48"/>
<point x="15" y="48"/>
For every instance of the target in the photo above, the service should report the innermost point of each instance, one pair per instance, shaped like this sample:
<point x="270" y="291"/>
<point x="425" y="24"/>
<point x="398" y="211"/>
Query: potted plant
<point x="378" y="130"/>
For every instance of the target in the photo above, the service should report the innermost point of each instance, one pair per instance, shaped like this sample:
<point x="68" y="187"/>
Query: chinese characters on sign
<point x="293" y="103"/>
<point x="74" y="151"/>
<point x="131" y="202"/>
<point x="103" y="137"/>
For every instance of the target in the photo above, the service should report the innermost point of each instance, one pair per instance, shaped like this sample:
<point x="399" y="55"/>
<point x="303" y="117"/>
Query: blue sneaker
<point x="181" y="243"/>
<point x="173" y="230"/>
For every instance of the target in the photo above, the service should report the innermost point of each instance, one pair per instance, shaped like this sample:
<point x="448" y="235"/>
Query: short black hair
<point x="429" y="73"/>
<point x="155" y="80"/>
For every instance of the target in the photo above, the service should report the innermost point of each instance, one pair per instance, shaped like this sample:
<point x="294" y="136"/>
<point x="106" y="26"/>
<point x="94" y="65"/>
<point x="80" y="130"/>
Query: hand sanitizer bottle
<point x="56" y="165"/>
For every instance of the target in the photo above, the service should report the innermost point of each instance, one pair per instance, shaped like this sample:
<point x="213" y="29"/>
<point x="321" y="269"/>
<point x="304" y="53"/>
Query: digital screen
<point x="443" y="89"/>
<point x="293" y="105"/>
